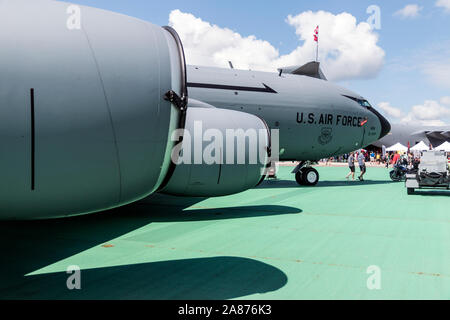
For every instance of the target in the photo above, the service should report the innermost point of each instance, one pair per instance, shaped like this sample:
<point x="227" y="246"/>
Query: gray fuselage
<point x="315" y="118"/>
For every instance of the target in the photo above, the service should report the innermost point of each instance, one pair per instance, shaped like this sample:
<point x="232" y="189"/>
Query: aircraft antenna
<point x="231" y="65"/>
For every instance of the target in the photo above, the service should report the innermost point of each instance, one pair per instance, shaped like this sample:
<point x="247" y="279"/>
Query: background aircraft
<point x="414" y="134"/>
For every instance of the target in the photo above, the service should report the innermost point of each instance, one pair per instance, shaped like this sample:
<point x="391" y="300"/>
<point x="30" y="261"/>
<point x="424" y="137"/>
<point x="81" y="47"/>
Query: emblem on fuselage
<point x="326" y="136"/>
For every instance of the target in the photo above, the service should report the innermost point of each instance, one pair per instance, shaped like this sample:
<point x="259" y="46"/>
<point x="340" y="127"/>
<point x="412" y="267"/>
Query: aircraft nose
<point x="385" y="125"/>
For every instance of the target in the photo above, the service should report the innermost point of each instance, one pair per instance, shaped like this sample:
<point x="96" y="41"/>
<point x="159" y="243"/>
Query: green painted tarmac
<point x="277" y="241"/>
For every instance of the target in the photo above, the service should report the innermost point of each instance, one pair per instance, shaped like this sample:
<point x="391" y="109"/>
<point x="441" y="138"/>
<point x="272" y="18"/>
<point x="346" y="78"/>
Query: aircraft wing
<point x="436" y="134"/>
<point x="419" y="132"/>
<point x="439" y="134"/>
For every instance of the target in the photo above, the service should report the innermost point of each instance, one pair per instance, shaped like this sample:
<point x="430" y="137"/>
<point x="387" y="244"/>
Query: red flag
<point x="316" y="34"/>
<point x="363" y="122"/>
<point x="316" y="38"/>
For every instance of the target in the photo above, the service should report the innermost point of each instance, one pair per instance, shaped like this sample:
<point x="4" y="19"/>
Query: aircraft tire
<point x="410" y="191"/>
<point x="310" y="177"/>
<point x="299" y="178"/>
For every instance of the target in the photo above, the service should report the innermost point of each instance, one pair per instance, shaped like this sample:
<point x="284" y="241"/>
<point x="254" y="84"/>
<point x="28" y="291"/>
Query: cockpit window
<point x="365" y="103"/>
<point x="362" y="103"/>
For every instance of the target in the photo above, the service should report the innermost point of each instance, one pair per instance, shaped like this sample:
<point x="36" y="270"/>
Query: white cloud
<point x="429" y="123"/>
<point x="438" y="72"/>
<point x="432" y="60"/>
<point x="390" y="110"/>
<point x="347" y="50"/>
<point x="445" y="100"/>
<point x="409" y="11"/>
<point x="443" y="4"/>
<point x="430" y="113"/>
<point x="430" y="110"/>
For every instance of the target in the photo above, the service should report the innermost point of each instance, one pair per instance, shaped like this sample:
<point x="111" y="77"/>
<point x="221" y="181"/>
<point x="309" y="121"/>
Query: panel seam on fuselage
<point x="109" y="113"/>
<point x="33" y="140"/>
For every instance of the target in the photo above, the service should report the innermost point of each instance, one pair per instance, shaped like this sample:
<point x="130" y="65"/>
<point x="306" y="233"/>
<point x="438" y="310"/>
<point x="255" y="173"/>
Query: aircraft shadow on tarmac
<point x="30" y="246"/>
<point x="214" y="278"/>
<point x="268" y="184"/>
<point x="173" y="210"/>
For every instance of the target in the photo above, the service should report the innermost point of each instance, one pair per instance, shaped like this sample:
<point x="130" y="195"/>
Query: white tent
<point x="444" y="147"/>
<point x="397" y="147"/>
<point x="421" y="146"/>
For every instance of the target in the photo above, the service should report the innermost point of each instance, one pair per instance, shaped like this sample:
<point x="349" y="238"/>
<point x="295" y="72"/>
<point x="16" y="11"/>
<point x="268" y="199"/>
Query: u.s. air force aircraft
<point x="315" y="118"/>
<point x="90" y="101"/>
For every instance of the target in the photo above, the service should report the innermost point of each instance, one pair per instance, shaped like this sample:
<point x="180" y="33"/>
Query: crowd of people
<point x="361" y="157"/>
<point x="372" y="157"/>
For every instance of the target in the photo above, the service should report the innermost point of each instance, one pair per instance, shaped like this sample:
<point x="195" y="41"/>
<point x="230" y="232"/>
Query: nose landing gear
<point x="306" y="175"/>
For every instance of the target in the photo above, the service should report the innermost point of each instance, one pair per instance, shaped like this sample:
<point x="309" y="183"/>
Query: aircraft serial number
<point x="330" y="119"/>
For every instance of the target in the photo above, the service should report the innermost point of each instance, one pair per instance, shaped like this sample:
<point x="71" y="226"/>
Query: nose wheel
<point x="307" y="176"/>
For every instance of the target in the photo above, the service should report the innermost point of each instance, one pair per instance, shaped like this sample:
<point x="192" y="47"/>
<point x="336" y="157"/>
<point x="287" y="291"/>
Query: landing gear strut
<point x="306" y="175"/>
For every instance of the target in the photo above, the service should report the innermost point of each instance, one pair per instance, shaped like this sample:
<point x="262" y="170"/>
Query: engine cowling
<point x="223" y="152"/>
<point x="84" y="125"/>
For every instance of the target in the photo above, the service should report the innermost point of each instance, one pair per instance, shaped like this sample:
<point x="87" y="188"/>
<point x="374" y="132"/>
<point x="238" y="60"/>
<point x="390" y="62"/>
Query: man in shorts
<point x="362" y="166"/>
<point x="351" y="165"/>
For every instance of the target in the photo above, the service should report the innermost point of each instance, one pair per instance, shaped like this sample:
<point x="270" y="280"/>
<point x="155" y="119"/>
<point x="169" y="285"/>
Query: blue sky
<point x="410" y="44"/>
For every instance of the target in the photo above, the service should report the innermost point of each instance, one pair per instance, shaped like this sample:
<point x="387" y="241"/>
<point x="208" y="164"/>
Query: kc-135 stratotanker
<point x="87" y="114"/>
<point x="315" y="118"/>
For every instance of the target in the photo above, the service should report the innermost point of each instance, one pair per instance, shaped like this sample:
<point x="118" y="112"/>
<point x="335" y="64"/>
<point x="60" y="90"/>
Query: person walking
<point x="396" y="158"/>
<point x="351" y="165"/>
<point x="362" y="166"/>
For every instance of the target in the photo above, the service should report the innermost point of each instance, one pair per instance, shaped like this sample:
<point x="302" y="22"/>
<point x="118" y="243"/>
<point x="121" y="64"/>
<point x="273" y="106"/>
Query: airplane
<point x="88" y="113"/>
<point x="413" y="134"/>
<point x="316" y="119"/>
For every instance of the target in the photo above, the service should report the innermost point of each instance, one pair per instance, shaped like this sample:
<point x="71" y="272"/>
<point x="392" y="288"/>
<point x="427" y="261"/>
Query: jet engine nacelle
<point x="85" y="119"/>
<point x="223" y="152"/>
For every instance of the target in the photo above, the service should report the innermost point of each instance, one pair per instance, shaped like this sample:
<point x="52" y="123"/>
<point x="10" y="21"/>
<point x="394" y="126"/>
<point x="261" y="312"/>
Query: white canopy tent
<point x="397" y="147"/>
<point x="444" y="147"/>
<point x="421" y="146"/>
